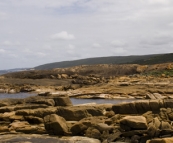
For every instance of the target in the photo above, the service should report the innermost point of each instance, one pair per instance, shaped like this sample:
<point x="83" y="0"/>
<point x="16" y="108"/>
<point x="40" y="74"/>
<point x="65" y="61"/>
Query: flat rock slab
<point x="23" y="138"/>
<point x="163" y="140"/>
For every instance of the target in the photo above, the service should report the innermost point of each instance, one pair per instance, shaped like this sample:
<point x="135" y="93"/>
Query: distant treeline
<point x="139" y="59"/>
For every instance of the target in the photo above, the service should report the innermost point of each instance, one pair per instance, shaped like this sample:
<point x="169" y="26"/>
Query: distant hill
<point x="142" y="59"/>
<point x="14" y="70"/>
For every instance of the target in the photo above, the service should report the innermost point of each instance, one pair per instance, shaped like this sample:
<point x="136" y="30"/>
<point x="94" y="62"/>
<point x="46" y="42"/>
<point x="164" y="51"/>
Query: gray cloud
<point x="63" y="36"/>
<point x="32" y="32"/>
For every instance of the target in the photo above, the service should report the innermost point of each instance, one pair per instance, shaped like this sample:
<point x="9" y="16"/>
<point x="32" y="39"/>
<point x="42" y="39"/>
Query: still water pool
<point x="100" y="101"/>
<point x="75" y="101"/>
<point x="16" y="95"/>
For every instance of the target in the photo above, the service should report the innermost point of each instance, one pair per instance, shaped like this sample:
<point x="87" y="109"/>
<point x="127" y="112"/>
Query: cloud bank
<point x="39" y="32"/>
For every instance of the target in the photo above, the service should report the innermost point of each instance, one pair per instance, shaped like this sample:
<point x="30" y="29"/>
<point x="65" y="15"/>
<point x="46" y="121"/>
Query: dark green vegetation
<point x="143" y="59"/>
<point x="166" y="73"/>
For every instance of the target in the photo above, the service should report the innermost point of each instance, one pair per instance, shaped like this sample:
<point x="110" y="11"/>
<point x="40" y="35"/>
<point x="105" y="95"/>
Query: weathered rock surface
<point x="33" y="138"/>
<point x="76" y="113"/>
<point x="55" y="125"/>
<point x="164" y="140"/>
<point x="54" y="114"/>
<point x="62" y="100"/>
<point x="133" y="122"/>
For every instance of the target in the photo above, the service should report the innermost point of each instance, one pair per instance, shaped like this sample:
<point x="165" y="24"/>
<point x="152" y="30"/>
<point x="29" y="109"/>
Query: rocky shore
<point x="53" y="118"/>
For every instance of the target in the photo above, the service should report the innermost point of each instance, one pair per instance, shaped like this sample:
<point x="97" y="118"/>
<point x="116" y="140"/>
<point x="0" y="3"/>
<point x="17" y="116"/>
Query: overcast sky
<point x="35" y="32"/>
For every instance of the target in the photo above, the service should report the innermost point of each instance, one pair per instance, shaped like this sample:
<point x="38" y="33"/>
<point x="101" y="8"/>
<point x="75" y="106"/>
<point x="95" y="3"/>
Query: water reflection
<point x="100" y="101"/>
<point x="16" y="95"/>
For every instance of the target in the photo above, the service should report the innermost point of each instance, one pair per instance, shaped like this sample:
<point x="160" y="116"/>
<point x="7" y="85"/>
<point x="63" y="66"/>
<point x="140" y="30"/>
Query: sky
<point x="36" y="32"/>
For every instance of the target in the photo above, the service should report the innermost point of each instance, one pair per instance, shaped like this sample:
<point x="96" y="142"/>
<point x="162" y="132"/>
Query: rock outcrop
<point x="55" y="125"/>
<point x="135" y="122"/>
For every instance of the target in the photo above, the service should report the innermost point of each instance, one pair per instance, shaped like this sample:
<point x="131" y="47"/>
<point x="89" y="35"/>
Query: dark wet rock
<point x="168" y="103"/>
<point x="62" y="100"/>
<point x="155" y="105"/>
<point x="133" y="132"/>
<point x="55" y="125"/>
<point x="133" y="122"/>
<point x="166" y="133"/>
<point x="78" y="128"/>
<point x="76" y="113"/>
<point x="142" y="106"/>
<point x="33" y="119"/>
<point x="93" y="133"/>
<point x="135" y="139"/>
<point x="124" y="108"/>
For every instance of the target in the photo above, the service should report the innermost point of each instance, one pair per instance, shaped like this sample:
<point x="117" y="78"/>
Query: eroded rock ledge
<point x="54" y="115"/>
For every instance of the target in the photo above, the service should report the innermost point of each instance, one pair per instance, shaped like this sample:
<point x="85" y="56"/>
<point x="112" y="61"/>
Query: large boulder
<point x="55" y="125"/>
<point x="142" y="106"/>
<point x="73" y="114"/>
<point x="62" y="100"/>
<point x="76" y="113"/>
<point x="78" y="128"/>
<point x="125" y="108"/>
<point x="133" y="122"/>
<point x="93" y="133"/>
